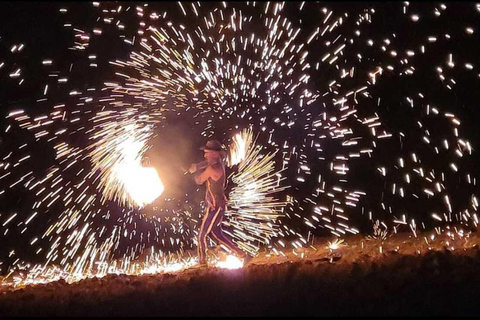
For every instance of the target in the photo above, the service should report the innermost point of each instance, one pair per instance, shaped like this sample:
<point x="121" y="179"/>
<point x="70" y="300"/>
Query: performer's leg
<point x="221" y="237"/>
<point x="205" y="229"/>
<point x="202" y="236"/>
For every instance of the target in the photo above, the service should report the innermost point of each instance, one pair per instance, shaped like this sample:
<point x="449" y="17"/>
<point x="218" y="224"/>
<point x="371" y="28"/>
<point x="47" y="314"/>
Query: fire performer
<point x="212" y="173"/>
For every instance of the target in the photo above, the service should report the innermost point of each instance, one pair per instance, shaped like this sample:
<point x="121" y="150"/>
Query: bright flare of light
<point x="231" y="262"/>
<point x="129" y="181"/>
<point x="239" y="147"/>
<point x="251" y="191"/>
<point x="142" y="184"/>
<point x="335" y="244"/>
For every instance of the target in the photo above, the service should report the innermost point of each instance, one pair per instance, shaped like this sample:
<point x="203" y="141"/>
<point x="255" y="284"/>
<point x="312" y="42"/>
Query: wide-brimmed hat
<point x="213" y="145"/>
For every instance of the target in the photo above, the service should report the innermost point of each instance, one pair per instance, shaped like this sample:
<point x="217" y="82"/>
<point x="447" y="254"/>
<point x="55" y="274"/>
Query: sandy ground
<point x="399" y="276"/>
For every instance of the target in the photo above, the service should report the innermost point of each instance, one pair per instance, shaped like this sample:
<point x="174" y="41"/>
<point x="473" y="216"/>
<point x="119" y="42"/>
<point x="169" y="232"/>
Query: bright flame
<point x="231" y="262"/>
<point x="141" y="185"/>
<point x="240" y="146"/>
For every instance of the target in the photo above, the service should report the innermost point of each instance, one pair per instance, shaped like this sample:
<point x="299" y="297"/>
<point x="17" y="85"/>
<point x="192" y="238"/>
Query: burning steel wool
<point x="336" y="123"/>
<point x="124" y="178"/>
<point x="253" y="210"/>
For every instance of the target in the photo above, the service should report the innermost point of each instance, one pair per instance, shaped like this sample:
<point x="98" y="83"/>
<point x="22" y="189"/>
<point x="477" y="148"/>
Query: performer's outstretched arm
<point x="210" y="172"/>
<point x="198" y="166"/>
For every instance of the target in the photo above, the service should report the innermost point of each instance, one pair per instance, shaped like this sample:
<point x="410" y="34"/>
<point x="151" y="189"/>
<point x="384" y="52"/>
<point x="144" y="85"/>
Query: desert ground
<point x="398" y="276"/>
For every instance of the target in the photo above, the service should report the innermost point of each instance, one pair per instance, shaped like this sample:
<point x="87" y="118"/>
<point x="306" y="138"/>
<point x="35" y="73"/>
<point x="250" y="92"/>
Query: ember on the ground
<point x="398" y="276"/>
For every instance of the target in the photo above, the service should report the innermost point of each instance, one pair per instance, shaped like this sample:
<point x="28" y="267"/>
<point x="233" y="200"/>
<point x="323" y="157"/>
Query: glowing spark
<point x="231" y="262"/>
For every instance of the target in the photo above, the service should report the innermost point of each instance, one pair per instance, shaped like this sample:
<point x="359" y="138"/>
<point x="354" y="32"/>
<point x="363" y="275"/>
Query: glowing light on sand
<point x="231" y="262"/>
<point x="335" y="244"/>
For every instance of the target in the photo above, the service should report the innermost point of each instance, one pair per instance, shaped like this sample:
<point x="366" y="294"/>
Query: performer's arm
<point x="198" y="166"/>
<point x="210" y="172"/>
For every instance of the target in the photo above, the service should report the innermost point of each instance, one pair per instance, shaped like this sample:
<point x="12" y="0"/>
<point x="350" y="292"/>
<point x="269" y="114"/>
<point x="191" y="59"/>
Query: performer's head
<point x="213" y="151"/>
